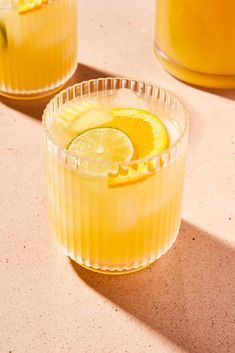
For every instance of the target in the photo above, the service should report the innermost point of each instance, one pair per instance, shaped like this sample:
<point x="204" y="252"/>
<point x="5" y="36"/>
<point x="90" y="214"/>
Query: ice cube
<point x="90" y="119"/>
<point x="126" y="98"/>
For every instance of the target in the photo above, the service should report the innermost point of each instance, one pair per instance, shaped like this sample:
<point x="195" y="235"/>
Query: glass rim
<point x="145" y="84"/>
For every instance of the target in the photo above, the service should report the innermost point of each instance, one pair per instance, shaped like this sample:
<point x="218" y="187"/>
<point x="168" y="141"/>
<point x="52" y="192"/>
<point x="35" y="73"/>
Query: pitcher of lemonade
<point x="195" y="40"/>
<point x="38" y="46"/>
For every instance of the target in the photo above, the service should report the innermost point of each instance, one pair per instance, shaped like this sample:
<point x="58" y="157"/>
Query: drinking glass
<point x="127" y="227"/>
<point x="38" y="48"/>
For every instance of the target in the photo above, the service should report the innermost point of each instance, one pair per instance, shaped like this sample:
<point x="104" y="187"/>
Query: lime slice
<point x="103" y="144"/>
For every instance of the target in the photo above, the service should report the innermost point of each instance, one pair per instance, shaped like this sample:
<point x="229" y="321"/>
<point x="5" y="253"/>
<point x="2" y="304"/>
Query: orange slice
<point x="149" y="137"/>
<point x="146" y="131"/>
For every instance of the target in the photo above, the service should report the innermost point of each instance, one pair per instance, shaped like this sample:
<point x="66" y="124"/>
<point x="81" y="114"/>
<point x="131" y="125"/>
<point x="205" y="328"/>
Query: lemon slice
<point x="83" y="115"/>
<point x="69" y="115"/>
<point x="28" y="5"/>
<point x="103" y="144"/>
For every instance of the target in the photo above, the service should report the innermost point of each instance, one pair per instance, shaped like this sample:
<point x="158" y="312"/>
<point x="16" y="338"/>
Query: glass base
<point x="40" y="94"/>
<point x="194" y="77"/>
<point x="32" y="96"/>
<point x="125" y="271"/>
<point x="115" y="273"/>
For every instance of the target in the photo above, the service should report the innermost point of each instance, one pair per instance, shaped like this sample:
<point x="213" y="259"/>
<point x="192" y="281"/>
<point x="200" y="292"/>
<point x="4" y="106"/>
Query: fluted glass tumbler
<point x="38" y="46"/>
<point x="114" y="217"/>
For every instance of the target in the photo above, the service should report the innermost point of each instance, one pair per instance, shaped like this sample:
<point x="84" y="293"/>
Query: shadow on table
<point x="187" y="295"/>
<point x="35" y="108"/>
<point x="225" y="93"/>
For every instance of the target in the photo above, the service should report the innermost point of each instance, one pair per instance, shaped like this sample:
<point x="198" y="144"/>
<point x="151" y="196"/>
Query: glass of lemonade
<point x="115" y="159"/>
<point x="38" y="46"/>
<point x="194" y="39"/>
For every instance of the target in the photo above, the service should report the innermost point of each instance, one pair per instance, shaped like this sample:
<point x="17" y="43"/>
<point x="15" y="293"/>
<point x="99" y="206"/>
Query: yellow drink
<point x="38" y="48"/>
<point x="194" y="39"/>
<point x="113" y="216"/>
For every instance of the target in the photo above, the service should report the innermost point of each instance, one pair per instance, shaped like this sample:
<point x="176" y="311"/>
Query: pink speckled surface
<point x="185" y="302"/>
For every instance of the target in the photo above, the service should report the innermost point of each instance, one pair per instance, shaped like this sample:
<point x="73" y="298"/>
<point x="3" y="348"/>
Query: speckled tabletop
<point x="185" y="302"/>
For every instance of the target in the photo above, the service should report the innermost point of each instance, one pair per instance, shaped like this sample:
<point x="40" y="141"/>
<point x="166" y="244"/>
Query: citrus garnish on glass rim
<point x="128" y="134"/>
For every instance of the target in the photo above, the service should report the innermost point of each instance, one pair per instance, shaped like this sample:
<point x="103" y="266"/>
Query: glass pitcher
<point x="38" y="46"/>
<point x="195" y="40"/>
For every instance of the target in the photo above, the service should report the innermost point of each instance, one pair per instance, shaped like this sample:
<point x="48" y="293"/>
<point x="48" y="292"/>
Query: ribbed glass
<point x="38" y="49"/>
<point x="122" y="228"/>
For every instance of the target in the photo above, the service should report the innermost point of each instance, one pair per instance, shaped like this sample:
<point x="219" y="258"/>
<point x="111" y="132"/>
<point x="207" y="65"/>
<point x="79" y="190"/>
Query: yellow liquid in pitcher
<point x="38" y="49"/>
<point x="195" y="40"/>
<point x="102" y="222"/>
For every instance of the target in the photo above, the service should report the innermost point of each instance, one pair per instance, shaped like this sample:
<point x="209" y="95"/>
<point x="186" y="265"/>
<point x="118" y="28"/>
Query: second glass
<point x="38" y="47"/>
